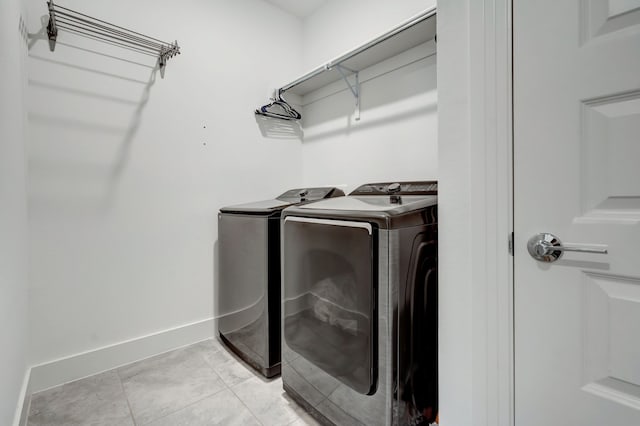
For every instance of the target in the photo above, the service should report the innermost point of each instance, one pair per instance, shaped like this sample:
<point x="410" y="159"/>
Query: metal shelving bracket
<point x="167" y="52"/>
<point x="411" y="33"/>
<point x="355" y="88"/>
<point x="52" y="29"/>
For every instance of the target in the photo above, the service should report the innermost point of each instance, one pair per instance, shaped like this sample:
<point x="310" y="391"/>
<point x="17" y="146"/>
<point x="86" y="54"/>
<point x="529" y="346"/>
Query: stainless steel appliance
<point x="248" y="297"/>
<point x="360" y="312"/>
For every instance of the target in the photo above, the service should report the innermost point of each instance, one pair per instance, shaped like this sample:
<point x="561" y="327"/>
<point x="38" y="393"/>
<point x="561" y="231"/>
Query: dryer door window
<point x="329" y="297"/>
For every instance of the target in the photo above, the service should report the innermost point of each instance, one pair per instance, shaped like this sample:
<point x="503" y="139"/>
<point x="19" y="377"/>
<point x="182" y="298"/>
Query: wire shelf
<point x="68" y="20"/>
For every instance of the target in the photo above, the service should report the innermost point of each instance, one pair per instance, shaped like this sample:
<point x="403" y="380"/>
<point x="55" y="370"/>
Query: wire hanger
<point x="279" y="108"/>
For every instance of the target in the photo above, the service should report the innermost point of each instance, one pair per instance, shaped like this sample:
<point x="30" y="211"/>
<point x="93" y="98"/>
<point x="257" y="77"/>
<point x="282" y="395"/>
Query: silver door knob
<point x="547" y="247"/>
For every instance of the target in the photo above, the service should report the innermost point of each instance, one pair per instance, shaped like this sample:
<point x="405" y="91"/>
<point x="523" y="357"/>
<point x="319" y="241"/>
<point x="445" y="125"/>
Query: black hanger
<point x="279" y="108"/>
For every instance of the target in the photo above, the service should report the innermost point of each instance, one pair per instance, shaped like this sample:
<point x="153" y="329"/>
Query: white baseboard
<point x="88" y="363"/>
<point x="24" y="401"/>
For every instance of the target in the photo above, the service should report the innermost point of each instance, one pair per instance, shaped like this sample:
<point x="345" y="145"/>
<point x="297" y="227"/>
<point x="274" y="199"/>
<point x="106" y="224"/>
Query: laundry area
<point x="165" y="144"/>
<point x="319" y="212"/>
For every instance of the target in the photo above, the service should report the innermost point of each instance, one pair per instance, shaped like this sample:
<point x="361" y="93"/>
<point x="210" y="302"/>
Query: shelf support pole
<point x="355" y="88"/>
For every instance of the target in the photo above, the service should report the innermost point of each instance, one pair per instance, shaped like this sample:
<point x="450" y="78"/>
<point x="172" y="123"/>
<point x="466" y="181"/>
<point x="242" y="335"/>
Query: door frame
<point x="491" y="129"/>
<point x="475" y="103"/>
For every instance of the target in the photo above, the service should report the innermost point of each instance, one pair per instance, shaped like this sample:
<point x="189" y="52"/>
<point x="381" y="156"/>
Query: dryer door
<point x="329" y="297"/>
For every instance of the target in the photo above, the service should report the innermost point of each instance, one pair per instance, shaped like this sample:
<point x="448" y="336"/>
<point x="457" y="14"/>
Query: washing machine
<point x="248" y="291"/>
<point x="359" y="304"/>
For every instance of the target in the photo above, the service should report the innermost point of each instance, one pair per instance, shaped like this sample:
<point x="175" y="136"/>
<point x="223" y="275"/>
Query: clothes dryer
<point x="248" y="294"/>
<point x="360" y="310"/>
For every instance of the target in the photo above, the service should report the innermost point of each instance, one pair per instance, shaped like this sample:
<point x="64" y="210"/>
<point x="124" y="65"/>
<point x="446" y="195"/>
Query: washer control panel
<point x="429" y="187"/>
<point x="310" y="194"/>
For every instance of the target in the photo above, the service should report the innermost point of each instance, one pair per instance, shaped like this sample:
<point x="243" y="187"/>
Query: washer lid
<point x="265" y="207"/>
<point x="389" y="205"/>
<point x="289" y="198"/>
<point x="425" y="187"/>
<point x="368" y="205"/>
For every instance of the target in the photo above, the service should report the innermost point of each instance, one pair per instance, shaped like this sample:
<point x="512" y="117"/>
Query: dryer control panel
<point x="429" y="187"/>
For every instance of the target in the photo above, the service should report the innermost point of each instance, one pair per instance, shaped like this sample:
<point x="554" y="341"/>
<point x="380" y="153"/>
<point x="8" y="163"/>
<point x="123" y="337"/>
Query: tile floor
<point x="201" y="384"/>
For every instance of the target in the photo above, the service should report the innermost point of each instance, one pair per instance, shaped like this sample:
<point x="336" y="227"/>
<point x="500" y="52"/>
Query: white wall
<point x="127" y="171"/>
<point x="341" y="25"/>
<point x="396" y="137"/>
<point x="13" y="210"/>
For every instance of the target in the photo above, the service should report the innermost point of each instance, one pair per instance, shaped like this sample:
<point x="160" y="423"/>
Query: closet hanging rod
<point x="340" y="59"/>
<point x="69" y="20"/>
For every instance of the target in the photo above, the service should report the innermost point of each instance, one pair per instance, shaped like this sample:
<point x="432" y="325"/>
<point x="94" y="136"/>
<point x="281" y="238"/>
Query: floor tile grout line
<point x="202" y="358"/>
<point x="241" y="381"/>
<point x="206" y="361"/>
<point x="126" y="397"/>
<point x="293" y="421"/>
<point x="211" y="367"/>
<point x="185" y="407"/>
<point x="238" y="360"/>
<point x="253" y="375"/>
<point x="246" y="406"/>
<point x="97" y="390"/>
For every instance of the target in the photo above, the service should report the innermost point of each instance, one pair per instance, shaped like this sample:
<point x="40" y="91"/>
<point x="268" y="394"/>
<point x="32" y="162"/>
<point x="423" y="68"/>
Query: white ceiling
<point x="299" y="8"/>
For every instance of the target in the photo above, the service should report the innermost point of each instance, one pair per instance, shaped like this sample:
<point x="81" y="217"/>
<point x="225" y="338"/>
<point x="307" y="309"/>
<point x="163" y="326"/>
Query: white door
<point x="577" y="176"/>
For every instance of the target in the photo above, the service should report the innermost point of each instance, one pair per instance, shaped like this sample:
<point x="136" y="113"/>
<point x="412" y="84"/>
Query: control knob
<point x="391" y="190"/>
